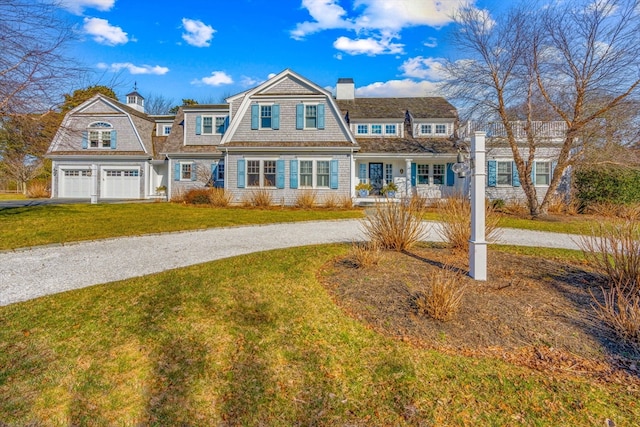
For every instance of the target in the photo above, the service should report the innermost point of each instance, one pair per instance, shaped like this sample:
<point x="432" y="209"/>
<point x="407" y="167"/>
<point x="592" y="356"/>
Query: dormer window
<point x="99" y="135"/>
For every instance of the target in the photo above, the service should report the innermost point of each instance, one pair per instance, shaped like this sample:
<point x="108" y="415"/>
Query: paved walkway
<point x="38" y="271"/>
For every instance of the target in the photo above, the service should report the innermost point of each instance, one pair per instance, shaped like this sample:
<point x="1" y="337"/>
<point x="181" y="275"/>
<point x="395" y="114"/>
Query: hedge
<point x="616" y="186"/>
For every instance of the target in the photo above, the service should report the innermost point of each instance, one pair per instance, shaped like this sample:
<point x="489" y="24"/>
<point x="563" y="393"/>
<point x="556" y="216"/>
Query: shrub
<point x="261" y="198"/>
<point x="331" y="201"/>
<point x="455" y="226"/>
<point x="306" y="199"/>
<point x="498" y="204"/>
<point x="219" y="197"/>
<point x="611" y="210"/>
<point x="619" y="186"/>
<point x="396" y="226"/>
<point x="365" y="254"/>
<point x="621" y="312"/>
<point x="442" y="295"/>
<point x="197" y="196"/>
<point x="613" y="249"/>
<point x="345" y="201"/>
<point x="38" y="190"/>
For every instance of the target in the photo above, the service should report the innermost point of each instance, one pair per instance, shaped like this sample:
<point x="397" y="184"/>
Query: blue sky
<point x="207" y="50"/>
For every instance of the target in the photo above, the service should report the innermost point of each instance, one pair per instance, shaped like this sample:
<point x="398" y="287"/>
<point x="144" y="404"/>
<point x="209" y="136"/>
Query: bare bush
<point x="331" y="201"/>
<point x="197" y="196"/>
<point x="621" y="312"/>
<point x="455" y="226"/>
<point x="442" y="295"/>
<point x="613" y="249"/>
<point x="345" y="201"/>
<point x="365" y="254"/>
<point x="38" y="190"/>
<point x="261" y="198"/>
<point x="396" y="226"/>
<point x="219" y="197"/>
<point x="306" y="199"/>
<point x="613" y="210"/>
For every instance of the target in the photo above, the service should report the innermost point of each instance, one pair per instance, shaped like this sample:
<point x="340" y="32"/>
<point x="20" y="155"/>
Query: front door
<point x="375" y="177"/>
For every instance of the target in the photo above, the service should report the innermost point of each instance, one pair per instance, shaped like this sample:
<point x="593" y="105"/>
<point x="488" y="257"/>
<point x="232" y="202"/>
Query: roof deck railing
<point x="540" y="129"/>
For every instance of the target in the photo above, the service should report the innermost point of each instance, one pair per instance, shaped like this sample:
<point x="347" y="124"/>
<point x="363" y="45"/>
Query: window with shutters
<point x="306" y="173"/>
<point x="261" y="173"/>
<point x="423" y="174"/>
<point x="314" y="174"/>
<point x="322" y="175"/>
<point x="265" y="116"/>
<point x="186" y="171"/>
<point x="207" y="125"/>
<point x="99" y="135"/>
<point x="310" y="116"/>
<point x="220" y="170"/>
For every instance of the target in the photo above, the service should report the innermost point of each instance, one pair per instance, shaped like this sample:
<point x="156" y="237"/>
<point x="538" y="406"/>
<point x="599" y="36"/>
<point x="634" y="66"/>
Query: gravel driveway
<point x="34" y="272"/>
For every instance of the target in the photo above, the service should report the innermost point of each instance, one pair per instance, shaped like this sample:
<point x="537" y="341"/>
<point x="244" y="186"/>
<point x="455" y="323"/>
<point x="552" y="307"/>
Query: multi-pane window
<point x="438" y="174"/>
<point x="376" y="129"/>
<point x="126" y="172"/>
<point x="99" y="135"/>
<point x="425" y="129"/>
<point x="543" y="173"/>
<point x="390" y="129"/>
<point x="265" y="116"/>
<point x="77" y="173"/>
<point x="388" y="173"/>
<point x="207" y="125"/>
<point x="185" y="171"/>
<point x="322" y="174"/>
<point x="269" y="173"/>
<point x="423" y="174"/>
<point x="504" y="173"/>
<point x="362" y="129"/>
<point x="306" y="173"/>
<point x="220" y="176"/>
<point x="253" y="173"/>
<point x="310" y="116"/>
<point x="166" y="129"/>
<point x="441" y="129"/>
<point x="220" y="124"/>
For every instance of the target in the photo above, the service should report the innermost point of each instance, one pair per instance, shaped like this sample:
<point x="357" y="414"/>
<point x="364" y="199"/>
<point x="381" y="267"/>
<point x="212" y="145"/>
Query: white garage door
<point x="75" y="183"/>
<point x="120" y="184"/>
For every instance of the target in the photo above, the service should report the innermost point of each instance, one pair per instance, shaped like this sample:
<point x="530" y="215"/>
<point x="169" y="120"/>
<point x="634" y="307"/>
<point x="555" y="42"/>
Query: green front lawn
<point x="12" y="196"/>
<point x="256" y="340"/>
<point x="41" y="225"/>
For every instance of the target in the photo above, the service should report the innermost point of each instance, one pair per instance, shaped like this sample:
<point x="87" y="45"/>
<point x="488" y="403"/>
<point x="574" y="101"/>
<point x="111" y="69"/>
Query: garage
<point x="120" y="184"/>
<point x="75" y="183"/>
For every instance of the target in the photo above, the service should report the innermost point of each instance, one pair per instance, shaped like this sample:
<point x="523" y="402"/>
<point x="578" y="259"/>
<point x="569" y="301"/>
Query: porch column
<point x="407" y="169"/>
<point x="94" y="184"/>
<point x="477" y="243"/>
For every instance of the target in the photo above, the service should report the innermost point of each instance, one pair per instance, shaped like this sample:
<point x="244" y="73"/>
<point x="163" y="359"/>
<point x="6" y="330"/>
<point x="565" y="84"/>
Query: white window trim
<point x="510" y="184"/>
<point x="261" y="172"/>
<point x="362" y="124"/>
<point x="191" y="164"/>
<point x="309" y="104"/>
<point x="164" y="130"/>
<point x="99" y="127"/>
<point x="548" y="162"/>
<point x="435" y="129"/>
<point x="314" y="172"/>
<point x="265" y="104"/>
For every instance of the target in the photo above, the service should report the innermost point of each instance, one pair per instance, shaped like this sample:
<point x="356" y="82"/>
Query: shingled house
<point x="284" y="136"/>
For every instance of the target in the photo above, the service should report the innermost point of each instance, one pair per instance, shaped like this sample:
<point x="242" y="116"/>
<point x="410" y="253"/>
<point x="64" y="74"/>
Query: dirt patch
<point x="531" y="311"/>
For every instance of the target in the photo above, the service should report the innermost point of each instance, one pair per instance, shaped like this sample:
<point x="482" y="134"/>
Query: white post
<point x="477" y="244"/>
<point x="407" y="175"/>
<point x="94" y="184"/>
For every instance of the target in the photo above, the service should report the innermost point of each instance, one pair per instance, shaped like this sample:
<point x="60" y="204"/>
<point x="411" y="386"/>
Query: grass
<point x="12" y="196"/>
<point x="256" y="340"/>
<point x="41" y="225"/>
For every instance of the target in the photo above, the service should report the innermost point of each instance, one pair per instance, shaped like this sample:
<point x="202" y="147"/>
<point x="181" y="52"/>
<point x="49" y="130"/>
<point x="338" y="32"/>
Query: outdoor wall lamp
<point x="463" y="165"/>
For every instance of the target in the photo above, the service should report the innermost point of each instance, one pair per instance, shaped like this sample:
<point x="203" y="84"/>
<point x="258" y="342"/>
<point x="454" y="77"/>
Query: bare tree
<point x="573" y="61"/>
<point x="155" y="104"/>
<point x="33" y="61"/>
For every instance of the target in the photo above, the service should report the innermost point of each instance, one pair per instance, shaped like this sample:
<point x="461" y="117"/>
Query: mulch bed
<point x="531" y="311"/>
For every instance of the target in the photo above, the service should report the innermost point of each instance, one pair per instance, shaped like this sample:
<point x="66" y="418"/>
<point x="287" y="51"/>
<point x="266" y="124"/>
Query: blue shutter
<point x="320" y="116"/>
<point x="198" y="125"/>
<point x="241" y="176"/>
<point x="333" y="179"/>
<point x="114" y="139"/>
<point x="300" y="116"/>
<point x="515" y="178"/>
<point x="293" y="174"/>
<point x="176" y="172"/>
<point x="363" y="172"/>
<point x="533" y="173"/>
<point x="85" y="140"/>
<point x="492" y="173"/>
<point x="451" y="176"/>
<point x="275" y="116"/>
<point x="214" y="172"/>
<point x="414" y="174"/>
<point x="226" y="125"/>
<point x="255" y="111"/>
<point x="194" y="171"/>
<point x="279" y="173"/>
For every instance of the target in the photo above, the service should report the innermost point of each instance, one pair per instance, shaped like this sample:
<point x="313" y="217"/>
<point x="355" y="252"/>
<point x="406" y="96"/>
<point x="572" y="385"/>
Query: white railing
<point x="539" y="129"/>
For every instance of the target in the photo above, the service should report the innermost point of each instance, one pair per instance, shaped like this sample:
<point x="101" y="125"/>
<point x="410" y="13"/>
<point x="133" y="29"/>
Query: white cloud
<point x="327" y="14"/>
<point x="423" y="68"/>
<point x="368" y="46"/>
<point x="197" y="33"/>
<point x="78" y="6"/>
<point x="246" y="81"/>
<point x="400" y="89"/>
<point x="431" y="42"/>
<point x="104" y="33"/>
<point x="398" y="14"/>
<point x="217" y="78"/>
<point x="134" y="69"/>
